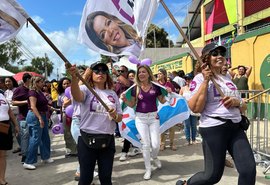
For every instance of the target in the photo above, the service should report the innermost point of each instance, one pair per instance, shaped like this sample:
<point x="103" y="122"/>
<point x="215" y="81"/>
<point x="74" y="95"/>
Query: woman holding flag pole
<point x="96" y="143"/>
<point x="144" y="96"/>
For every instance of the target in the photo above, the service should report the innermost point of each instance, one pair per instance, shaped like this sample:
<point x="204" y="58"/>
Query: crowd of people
<point x="89" y="133"/>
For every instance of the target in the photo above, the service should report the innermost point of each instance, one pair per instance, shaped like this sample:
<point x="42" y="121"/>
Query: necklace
<point x="146" y="88"/>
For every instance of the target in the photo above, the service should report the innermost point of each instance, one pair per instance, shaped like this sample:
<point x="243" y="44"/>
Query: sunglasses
<point x="103" y="71"/>
<point x="121" y="71"/>
<point x="215" y="53"/>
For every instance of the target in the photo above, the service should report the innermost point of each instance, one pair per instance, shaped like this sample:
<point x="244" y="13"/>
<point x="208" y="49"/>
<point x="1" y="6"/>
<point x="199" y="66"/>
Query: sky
<point x="60" y="20"/>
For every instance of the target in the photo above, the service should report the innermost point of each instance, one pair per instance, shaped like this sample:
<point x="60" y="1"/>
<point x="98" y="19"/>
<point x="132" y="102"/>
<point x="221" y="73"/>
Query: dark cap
<point x="188" y="76"/>
<point x="163" y="71"/>
<point x="99" y="63"/>
<point x="211" y="47"/>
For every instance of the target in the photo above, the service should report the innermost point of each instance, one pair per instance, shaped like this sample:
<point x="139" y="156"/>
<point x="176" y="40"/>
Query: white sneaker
<point x="50" y="160"/>
<point x="157" y="163"/>
<point x="134" y="152"/>
<point x="147" y="175"/>
<point x="29" y="166"/>
<point x="123" y="156"/>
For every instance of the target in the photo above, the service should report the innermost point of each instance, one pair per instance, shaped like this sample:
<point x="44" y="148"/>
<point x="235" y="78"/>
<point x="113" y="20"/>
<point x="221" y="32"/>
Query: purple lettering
<point x="131" y="19"/>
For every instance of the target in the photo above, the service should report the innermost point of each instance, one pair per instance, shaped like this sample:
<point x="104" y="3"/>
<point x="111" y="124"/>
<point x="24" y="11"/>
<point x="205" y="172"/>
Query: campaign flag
<point x="116" y="27"/>
<point x="174" y="111"/>
<point x="12" y="19"/>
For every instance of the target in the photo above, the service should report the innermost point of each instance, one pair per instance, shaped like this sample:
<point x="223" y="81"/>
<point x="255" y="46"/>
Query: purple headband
<point x="134" y="60"/>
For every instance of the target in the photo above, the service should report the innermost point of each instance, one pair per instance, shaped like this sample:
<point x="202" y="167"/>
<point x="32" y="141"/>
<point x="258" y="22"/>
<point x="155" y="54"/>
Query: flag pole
<point x="67" y="63"/>
<point x="189" y="44"/>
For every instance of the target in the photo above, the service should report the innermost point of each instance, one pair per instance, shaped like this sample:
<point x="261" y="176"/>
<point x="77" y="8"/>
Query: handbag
<point x="244" y="123"/>
<point x="96" y="141"/>
<point x="4" y="127"/>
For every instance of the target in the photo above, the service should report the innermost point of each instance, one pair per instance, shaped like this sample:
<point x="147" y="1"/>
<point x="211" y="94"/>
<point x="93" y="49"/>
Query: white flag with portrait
<point x="12" y="18"/>
<point x="116" y="27"/>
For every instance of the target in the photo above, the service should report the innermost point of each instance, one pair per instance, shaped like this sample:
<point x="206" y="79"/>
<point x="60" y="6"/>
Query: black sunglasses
<point x="215" y="53"/>
<point x="121" y="71"/>
<point x="103" y="71"/>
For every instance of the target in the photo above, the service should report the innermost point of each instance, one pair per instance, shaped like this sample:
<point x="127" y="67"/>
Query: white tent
<point x="4" y="72"/>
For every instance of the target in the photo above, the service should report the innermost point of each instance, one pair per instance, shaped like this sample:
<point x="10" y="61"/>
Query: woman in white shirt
<point x="220" y="122"/>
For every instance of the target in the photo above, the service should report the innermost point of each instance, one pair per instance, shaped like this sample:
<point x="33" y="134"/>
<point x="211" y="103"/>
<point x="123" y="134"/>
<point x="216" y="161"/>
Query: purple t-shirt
<point x="21" y="94"/>
<point x="147" y="101"/>
<point x="120" y="88"/>
<point x="42" y="102"/>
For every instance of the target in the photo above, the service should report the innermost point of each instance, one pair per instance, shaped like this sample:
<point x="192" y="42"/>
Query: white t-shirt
<point x="4" y="107"/>
<point x="94" y="117"/>
<point x="180" y="81"/>
<point x="213" y="106"/>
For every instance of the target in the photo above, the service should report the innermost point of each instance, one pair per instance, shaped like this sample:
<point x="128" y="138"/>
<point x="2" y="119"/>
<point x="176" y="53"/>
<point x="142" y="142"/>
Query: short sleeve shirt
<point x="214" y="106"/>
<point x="147" y="101"/>
<point x="4" y="107"/>
<point x="94" y="117"/>
<point x="21" y="94"/>
<point x="42" y="102"/>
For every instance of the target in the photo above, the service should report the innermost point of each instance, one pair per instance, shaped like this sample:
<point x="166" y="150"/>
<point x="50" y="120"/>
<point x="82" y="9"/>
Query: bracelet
<point x="116" y="117"/>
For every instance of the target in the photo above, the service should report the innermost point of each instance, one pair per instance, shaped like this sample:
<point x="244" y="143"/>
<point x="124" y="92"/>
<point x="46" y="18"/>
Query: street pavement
<point x="182" y="163"/>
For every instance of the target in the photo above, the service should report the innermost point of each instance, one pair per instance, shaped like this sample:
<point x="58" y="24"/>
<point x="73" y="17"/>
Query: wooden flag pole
<point x="189" y="44"/>
<point x="67" y="62"/>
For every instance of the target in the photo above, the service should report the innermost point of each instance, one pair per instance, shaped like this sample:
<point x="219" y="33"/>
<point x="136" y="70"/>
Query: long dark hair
<point x="60" y="88"/>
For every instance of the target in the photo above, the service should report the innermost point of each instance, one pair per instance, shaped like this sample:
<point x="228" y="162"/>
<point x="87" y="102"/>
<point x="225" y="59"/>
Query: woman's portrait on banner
<point x="109" y="33"/>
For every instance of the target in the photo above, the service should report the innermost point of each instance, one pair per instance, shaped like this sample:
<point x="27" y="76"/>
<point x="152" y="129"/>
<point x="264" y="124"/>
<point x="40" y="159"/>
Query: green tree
<point x="158" y="35"/>
<point x="9" y="54"/>
<point x="39" y="65"/>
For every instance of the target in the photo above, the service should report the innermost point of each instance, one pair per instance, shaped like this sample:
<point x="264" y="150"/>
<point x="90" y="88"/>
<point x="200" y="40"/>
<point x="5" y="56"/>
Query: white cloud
<point x="66" y="42"/>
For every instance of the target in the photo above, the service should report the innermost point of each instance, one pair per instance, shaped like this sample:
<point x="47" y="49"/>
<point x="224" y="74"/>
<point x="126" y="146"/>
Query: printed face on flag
<point x="110" y="27"/>
<point x="11" y="21"/>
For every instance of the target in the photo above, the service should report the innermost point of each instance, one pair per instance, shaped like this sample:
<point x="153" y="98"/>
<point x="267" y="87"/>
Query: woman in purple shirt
<point x="38" y="125"/>
<point x="162" y="80"/>
<point x="144" y="97"/>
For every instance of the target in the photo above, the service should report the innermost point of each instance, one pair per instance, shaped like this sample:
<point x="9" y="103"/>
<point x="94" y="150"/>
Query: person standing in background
<point x="38" y="125"/>
<point x="54" y="92"/>
<point x="122" y="84"/>
<point x="19" y="98"/>
<point x="241" y="79"/>
<point x="190" y="124"/>
<point x="162" y="80"/>
<point x="63" y="102"/>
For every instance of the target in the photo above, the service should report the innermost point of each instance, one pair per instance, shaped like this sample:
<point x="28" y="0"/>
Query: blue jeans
<point x="37" y="137"/>
<point x="191" y="126"/>
<point x="75" y="129"/>
<point x="24" y="134"/>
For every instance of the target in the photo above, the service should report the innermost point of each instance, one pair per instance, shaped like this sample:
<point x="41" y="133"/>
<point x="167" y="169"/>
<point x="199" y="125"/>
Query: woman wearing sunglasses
<point x="219" y="122"/>
<point x="97" y="126"/>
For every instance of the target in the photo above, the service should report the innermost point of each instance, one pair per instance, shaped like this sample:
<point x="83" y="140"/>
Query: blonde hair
<point x="151" y="76"/>
<point x="33" y="83"/>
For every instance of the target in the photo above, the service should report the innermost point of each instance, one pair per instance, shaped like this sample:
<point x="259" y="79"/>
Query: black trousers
<point x="216" y="141"/>
<point x="88" y="158"/>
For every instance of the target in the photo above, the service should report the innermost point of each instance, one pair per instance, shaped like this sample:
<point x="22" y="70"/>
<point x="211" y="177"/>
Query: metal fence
<point x="259" y="130"/>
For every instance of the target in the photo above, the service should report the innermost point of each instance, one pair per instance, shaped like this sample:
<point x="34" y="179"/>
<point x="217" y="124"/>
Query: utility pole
<point x="45" y="65"/>
<point x="57" y="75"/>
